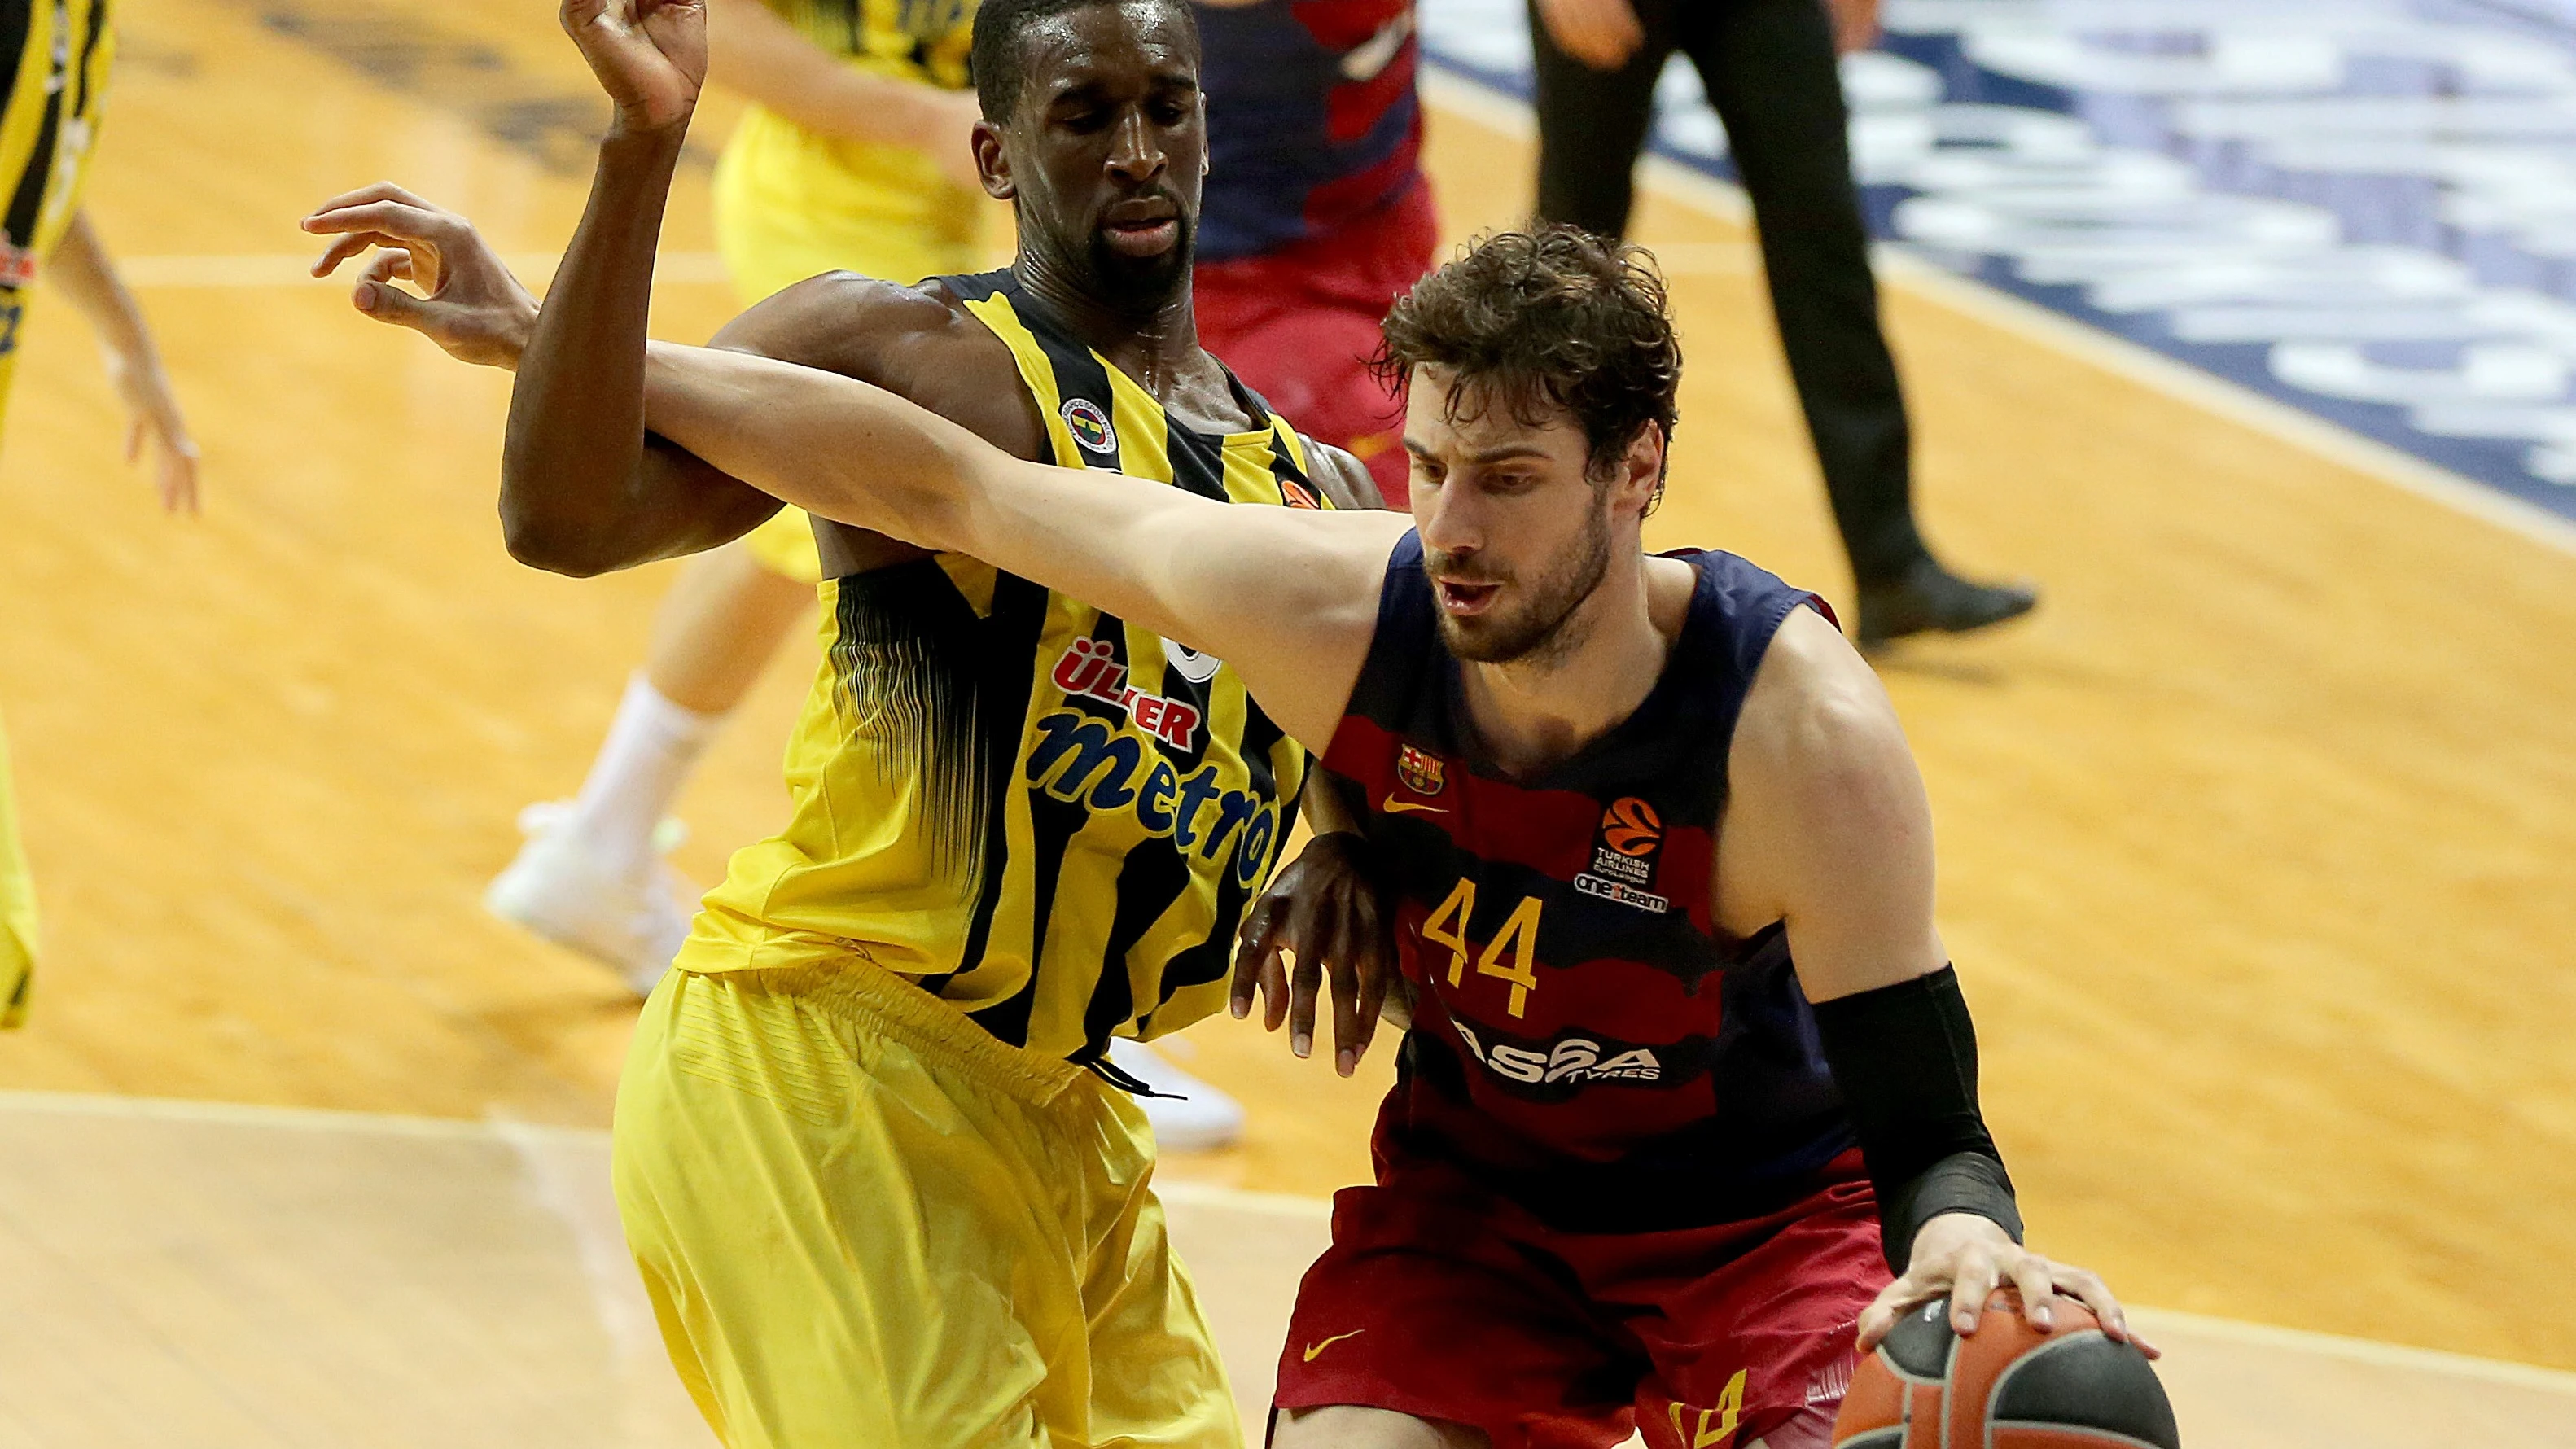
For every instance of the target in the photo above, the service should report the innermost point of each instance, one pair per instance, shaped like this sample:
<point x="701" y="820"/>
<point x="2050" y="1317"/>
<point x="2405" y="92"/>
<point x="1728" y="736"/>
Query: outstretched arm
<point x="81" y="269"/>
<point x="1287" y="596"/>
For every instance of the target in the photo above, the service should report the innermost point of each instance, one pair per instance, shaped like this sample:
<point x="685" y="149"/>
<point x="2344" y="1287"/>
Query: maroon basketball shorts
<point x="1441" y="1300"/>
<point x="1299" y="325"/>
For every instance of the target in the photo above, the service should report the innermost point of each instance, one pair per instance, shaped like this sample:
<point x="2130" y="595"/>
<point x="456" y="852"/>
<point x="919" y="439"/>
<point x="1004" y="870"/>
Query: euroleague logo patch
<point x="1629" y="827"/>
<point x="1623" y="857"/>
<point x="1090" y="425"/>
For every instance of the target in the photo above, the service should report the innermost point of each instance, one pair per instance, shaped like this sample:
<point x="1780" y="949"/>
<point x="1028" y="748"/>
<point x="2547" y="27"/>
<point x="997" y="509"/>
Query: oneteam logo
<point x="1090" y="425"/>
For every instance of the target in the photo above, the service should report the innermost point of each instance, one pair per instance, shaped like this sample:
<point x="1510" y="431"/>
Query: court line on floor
<point x="1502" y="112"/>
<point x="293" y="269"/>
<point x="511" y="1135"/>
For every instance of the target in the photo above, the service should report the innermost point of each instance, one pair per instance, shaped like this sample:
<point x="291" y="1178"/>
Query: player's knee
<point x="1352" y="1426"/>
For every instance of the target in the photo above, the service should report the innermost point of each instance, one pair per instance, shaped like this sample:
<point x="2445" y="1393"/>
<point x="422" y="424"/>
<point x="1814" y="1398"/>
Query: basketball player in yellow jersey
<point x="853" y="157"/>
<point x="59" y="51"/>
<point x="875" y="1195"/>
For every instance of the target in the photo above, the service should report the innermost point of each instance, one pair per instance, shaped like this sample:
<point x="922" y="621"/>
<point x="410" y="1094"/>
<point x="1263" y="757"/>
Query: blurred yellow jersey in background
<point x="60" y="51"/>
<point x="792" y="202"/>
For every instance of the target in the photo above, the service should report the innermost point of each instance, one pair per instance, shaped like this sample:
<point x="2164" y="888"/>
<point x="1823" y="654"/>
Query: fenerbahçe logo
<point x="1623" y="857"/>
<point x="1090" y="425"/>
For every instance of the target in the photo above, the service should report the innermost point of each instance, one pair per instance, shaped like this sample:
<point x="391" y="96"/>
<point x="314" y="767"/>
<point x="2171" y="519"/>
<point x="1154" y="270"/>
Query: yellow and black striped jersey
<point x="1047" y="816"/>
<point x="61" y="50"/>
<point x="916" y="40"/>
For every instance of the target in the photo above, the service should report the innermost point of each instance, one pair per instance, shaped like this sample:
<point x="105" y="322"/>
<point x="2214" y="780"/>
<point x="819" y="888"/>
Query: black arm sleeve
<point x="1905" y="1057"/>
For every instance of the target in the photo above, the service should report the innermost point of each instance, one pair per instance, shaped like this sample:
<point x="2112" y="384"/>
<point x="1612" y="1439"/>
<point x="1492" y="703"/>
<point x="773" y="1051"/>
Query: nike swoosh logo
<point x="1393" y="806"/>
<point x="1370" y="57"/>
<point x="1313" y="1349"/>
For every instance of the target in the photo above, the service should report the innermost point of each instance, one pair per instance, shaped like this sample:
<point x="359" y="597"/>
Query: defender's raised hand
<point x="650" y="56"/>
<point x="469" y="303"/>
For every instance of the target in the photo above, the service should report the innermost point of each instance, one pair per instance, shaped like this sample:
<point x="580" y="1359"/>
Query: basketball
<point x="2006" y="1386"/>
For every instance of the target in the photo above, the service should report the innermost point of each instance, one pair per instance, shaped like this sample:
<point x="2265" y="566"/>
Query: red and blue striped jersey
<point x="1312" y="119"/>
<point x="1586" y="1038"/>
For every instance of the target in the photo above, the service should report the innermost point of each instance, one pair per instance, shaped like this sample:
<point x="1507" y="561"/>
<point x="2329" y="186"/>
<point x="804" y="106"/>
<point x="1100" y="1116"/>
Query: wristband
<point x="1905" y="1058"/>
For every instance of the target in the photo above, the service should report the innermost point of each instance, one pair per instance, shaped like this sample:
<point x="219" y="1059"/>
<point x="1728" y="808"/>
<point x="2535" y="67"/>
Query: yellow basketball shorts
<point x="791" y="204"/>
<point x="17" y="907"/>
<point x="862" y="1220"/>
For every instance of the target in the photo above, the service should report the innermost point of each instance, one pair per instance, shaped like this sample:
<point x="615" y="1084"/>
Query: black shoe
<point x="1929" y="597"/>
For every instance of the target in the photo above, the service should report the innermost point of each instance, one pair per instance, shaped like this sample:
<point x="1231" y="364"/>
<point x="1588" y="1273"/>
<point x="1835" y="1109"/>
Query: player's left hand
<point x="1321" y="917"/>
<point x="152" y="417"/>
<point x="1965" y="1258"/>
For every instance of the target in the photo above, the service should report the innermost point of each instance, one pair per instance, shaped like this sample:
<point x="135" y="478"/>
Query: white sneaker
<point x="1194" y="1117"/>
<point x="559" y="888"/>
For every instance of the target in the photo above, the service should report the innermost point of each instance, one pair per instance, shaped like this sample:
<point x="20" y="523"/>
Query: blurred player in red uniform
<point x="1318" y="215"/>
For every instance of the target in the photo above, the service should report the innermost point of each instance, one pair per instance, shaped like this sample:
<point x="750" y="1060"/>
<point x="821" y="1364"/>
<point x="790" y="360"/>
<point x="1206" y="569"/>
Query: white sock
<point x="642" y="764"/>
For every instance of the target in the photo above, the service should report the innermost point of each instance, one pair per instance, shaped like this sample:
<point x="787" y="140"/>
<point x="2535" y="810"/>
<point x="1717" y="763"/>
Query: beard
<point x="1536" y="631"/>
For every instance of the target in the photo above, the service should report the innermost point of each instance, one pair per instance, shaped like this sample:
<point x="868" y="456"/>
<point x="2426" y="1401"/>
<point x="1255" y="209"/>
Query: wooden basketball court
<point x="2256" y="839"/>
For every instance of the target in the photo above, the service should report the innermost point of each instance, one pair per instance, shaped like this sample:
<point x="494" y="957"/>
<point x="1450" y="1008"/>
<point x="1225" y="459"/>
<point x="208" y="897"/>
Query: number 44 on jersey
<point x="1510" y="955"/>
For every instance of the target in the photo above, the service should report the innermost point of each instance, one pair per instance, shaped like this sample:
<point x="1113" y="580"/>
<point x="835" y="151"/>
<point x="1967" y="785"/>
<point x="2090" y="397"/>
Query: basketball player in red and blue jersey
<point x="1688" y="1072"/>
<point x="1317" y="215"/>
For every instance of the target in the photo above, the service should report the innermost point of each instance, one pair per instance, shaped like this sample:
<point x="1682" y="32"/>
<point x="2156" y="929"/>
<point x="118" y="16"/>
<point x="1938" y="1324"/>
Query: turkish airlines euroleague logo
<point x="1629" y="827"/>
<point x="1623" y="857"/>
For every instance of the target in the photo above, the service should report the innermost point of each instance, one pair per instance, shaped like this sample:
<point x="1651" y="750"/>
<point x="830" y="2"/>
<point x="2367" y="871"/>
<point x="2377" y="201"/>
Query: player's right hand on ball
<point x="468" y="303"/>
<point x="649" y="55"/>
<point x="1322" y="916"/>
<point x="1965" y="1258"/>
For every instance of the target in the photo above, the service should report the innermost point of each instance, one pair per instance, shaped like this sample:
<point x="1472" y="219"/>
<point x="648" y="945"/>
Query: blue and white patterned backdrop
<point x="2365" y="208"/>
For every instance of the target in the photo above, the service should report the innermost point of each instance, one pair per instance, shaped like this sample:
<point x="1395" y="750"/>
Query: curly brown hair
<point x="1545" y="323"/>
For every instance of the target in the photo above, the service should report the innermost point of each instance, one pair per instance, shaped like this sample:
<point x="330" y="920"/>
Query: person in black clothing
<point x="1768" y="66"/>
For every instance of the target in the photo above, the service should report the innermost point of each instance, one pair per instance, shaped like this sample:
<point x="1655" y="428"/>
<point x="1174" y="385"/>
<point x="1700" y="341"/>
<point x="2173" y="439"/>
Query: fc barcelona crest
<point x="1422" y="774"/>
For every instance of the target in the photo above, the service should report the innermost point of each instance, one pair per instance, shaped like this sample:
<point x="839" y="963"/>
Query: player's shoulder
<point x="1816" y="710"/>
<point x="1343" y="477"/>
<point x="860" y="326"/>
<point x="919" y="342"/>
